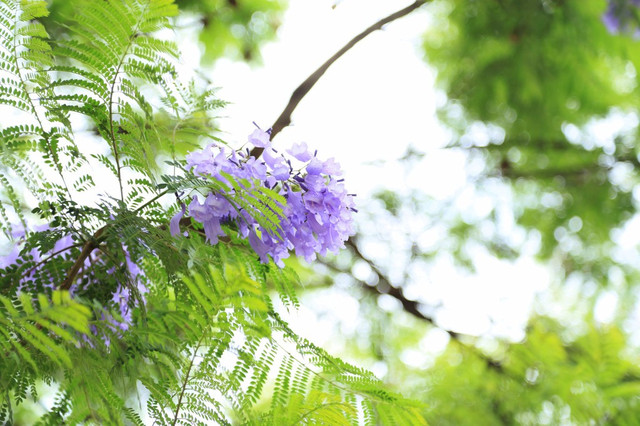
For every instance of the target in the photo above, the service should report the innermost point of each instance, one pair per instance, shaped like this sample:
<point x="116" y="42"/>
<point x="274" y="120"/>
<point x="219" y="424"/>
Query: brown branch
<point x="384" y="286"/>
<point x="88" y="247"/>
<point x="94" y="243"/>
<point x="285" y="117"/>
<point x="412" y="307"/>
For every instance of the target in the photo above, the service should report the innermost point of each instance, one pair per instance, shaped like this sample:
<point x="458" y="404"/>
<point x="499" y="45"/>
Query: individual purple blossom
<point x="174" y="224"/>
<point x="259" y="246"/>
<point x="315" y="166"/>
<point x="300" y="152"/>
<point x="271" y="157"/>
<point x="281" y="170"/>
<point x="259" y="138"/>
<point x="210" y="213"/>
<point x="255" y="169"/>
<point x="332" y="167"/>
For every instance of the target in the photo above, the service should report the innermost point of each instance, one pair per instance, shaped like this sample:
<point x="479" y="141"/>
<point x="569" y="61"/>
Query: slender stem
<point x="9" y="404"/>
<point x="319" y="407"/>
<point x="163" y="193"/>
<point x="114" y="142"/>
<point x="319" y="375"/>
<point x="285" y="117"/>
<point x="54" y="254"/>
<point x="92" y="244"/>
<point x="186" y="379"/>
<point x="45" y="134"/>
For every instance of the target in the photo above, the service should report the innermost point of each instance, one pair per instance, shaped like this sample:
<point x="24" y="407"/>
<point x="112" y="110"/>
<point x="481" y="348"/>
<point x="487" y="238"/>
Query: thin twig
<point x="143" y="206"/>
<point x="51" y="256"/>
<point x="45" y="134"/>
<point x="186" y="379"/>
<point x="285" y="117"/>
<point x="114" y="141"/>
<point x="92" y="244"/>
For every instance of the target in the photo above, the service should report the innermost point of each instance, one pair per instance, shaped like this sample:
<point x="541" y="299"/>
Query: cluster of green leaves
<point x="230" y="28"/>
<point x="235" y="28"/>
<point x="510" y="63"/>
<point x="205" y="344"/>
<point x="531" y="78"/>
<point x="551" y="378"/>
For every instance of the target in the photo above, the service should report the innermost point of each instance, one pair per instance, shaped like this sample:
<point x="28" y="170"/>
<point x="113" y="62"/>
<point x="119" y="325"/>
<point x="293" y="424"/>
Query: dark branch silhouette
<point x="89" y="246"/>
<point x="384" y="286"/>
<point x="285" y="117"/>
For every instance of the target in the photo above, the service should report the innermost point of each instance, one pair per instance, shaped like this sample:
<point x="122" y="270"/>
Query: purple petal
<point x="212" y="230"/>
<point x="259" y="138"/>
<point x="300" y="152"/>
<point x="174" y="225"/>
<point x="315" y="166"/>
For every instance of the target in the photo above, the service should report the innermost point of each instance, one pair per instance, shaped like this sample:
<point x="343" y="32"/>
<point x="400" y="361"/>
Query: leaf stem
<point x="186" y="379"/>
<point x="54" y="254"/>
<point x="45" y="135"/>
<point x="114" y="142"/>
<point x="163" y="193"/>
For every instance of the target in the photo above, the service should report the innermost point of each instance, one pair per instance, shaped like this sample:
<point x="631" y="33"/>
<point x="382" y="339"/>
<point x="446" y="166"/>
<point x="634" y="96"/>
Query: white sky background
<point x="371" y="105"/>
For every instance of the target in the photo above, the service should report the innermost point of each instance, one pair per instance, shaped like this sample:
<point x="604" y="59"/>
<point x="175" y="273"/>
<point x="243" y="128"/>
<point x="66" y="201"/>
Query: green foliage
<point x="530" y="66"/>
<point x="40" y="329"/>
<point x="235" y="28"/>
<point x="525" y="81"/>
<point x="230" y="28"/>
<point x="535" y="94"/>
<point x="549" y="378"/>
<point x="205" y="344"/>
<point x="24" y="56"/>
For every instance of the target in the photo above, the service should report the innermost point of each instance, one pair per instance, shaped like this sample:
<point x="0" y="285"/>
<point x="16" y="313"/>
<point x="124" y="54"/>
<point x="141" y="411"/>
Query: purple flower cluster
<point x="317" y="217"/>
<point x="121" y="298"/>
<point x="27" y="279"/>
<point x="620" y="16"/>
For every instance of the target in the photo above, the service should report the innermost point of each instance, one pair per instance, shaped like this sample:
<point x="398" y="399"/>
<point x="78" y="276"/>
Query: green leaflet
<point x="31" y="326"/>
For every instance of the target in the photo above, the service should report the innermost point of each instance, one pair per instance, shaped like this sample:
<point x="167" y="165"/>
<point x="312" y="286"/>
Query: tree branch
<point x="384" y="286"/>
<point x="94" y="243"/>
<point x="285" y="117"/>
<point x="87" y="248"/>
